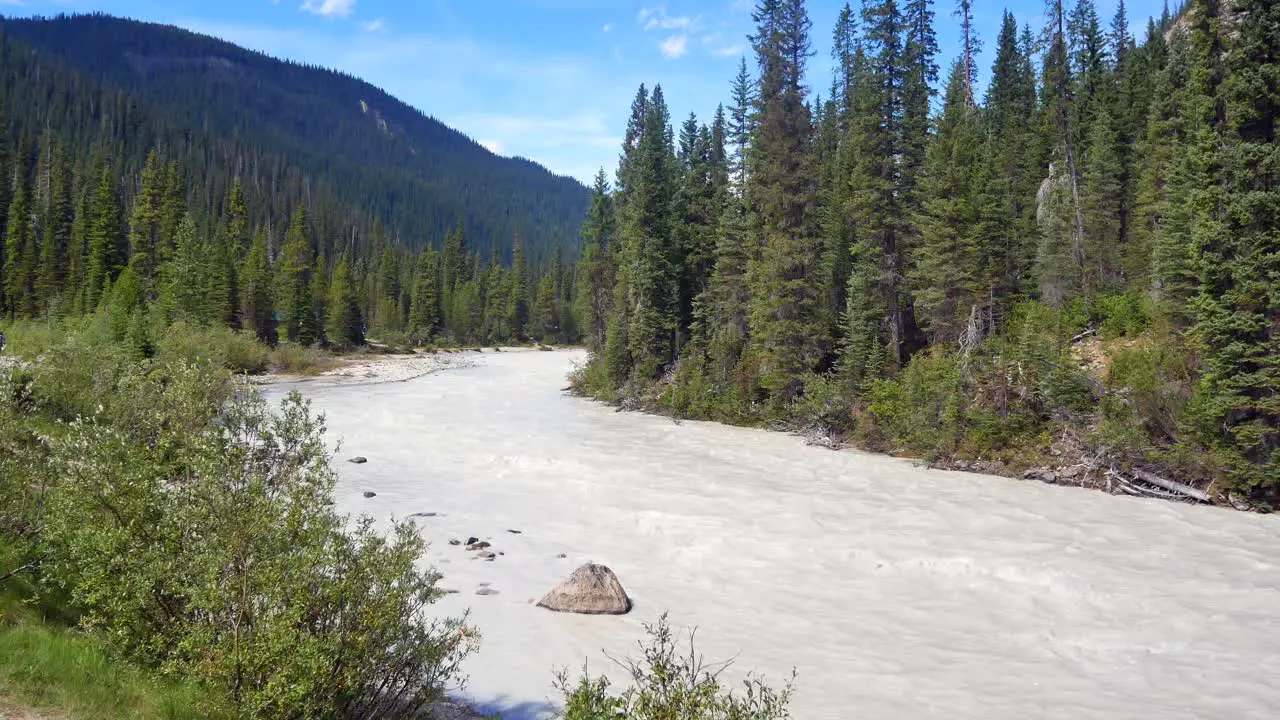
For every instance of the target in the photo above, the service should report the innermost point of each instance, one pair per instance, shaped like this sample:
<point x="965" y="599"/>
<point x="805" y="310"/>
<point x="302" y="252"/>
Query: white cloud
<point x="492" y="146"/>
<point x="329" y="8"/>
<point x="674" y="46"/>
<point x="656" y="18"/>
<point x="374" y="25"/>
<point x="729" y="51"/>
<point x="608" y="27"/>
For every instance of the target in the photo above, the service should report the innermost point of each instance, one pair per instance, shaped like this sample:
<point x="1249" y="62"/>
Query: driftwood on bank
<point x="1147" y="484"/>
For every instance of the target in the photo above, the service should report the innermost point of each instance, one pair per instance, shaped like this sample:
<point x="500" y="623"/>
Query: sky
<point x="549" y="80"/>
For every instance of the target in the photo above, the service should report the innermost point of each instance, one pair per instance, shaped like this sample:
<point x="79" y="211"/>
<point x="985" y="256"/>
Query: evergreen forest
<point x="1078" y="262"/>
<point x="162" y="178"/>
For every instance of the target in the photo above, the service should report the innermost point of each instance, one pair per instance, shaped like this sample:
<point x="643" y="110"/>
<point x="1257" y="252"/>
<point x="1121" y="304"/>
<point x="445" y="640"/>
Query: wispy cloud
<point x="492" y="146"/>
<point x="374" y="25"/>
<point x="608" y="27"/>
<point x="656" y="18"/>
<point x="728" y="51"/>
<point x="329" y="8"/>
<point x="674" y="46"/>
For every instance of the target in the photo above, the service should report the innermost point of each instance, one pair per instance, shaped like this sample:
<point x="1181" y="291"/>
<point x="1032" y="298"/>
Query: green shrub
<point x="191" y="528"/>
<point x="27" y="339"/>
<point x="294" y="359"/>
<point x="669" y="683"/>
<point x="219" y="345"/>
<point x="1119" y="315"/>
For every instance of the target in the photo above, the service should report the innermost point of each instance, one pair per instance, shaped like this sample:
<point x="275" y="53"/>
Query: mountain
<point x="331" y="133"/>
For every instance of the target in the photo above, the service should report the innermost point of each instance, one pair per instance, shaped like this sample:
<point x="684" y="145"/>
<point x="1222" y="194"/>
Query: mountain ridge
<point x="406" y="168"/>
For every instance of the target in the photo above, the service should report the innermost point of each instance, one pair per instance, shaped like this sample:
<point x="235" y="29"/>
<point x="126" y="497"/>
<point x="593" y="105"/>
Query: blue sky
<point x="551" y="80"/>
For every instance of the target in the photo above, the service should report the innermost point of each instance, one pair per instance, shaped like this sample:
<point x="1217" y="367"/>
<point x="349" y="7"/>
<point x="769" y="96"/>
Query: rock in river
<point x="370" y="493"/>
<point x="591" y="590"/>
<point x="359" y="460"/>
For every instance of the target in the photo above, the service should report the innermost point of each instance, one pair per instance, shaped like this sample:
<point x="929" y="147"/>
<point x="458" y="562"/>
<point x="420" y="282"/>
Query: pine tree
<point x="647" y="248"/>
<point x="345" y="328"/>
<point x="105" y="239"/>
<point x="294" y="277"/>
<point x="598" y="265"/>
<point x="546" y="312"/>
<point x="946" y="271"/>
<point x="19" y="281"/>
<point x="738" y="129"/>
<point x="57" y="219"/>
<point x="319" y="292"/>
<point x="424" y="313"/>
<point x="1060" y="213"/>
<point x="1010" y="174"/>
<point x="873" y="336"/>
<point x="787" y="330"/>
<point x="919" y="59"/>
<point x="145" y="221"/>
<point x="1236" y="245"/>
<point x="257" y="290"/>
<point x="187" y="287"/>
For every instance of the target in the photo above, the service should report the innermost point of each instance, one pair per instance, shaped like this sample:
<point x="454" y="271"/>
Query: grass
<point x="48" y="670"/>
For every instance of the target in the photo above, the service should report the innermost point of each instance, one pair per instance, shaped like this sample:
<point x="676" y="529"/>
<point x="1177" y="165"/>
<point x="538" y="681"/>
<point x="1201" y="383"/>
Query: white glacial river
<point x="895" y="592"/>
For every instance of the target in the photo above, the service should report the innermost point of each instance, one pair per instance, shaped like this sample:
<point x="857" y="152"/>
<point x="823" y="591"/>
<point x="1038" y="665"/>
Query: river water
<point x="894" y="591"/>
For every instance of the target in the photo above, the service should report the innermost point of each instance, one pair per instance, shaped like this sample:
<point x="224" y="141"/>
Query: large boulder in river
<point x="591" y="590"/>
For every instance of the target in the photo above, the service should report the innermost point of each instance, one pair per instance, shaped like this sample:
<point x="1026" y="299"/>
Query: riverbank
<point x="892" y="588"/>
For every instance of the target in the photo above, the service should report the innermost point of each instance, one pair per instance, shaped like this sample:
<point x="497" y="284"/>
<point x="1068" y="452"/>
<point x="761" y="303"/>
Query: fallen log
<point x="1171" y="486"/>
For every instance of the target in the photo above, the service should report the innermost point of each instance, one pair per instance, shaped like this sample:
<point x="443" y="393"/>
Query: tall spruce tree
<point x="787" y="332"/>
<point x="947" y="269"/>
<point x="257" y="290"/>
<point x="294" y="278"/>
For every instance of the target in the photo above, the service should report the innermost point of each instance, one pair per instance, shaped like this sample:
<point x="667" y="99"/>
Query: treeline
<point x="79" y="239"/>
<point x="935" y="282"/>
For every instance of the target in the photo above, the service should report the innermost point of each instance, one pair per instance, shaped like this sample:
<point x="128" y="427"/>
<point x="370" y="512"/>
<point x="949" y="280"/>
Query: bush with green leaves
<point x="669" y="682"/>
<point x="192" y="527"/>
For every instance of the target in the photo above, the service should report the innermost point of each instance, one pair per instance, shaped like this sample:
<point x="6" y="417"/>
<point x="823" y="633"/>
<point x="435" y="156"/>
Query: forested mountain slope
<point x="347" y="138"/>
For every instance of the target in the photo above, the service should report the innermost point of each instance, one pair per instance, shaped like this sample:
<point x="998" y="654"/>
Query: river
<point x="894" y="591"/>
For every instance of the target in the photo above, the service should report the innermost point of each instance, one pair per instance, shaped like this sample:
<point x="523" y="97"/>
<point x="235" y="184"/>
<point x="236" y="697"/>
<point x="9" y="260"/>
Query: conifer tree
<point x="424" y="312"/>
<point x="187" y="277"/>
<point x="257" y="290"/>
<point x="57" y="219"/>
<point x="546" y="312"/>
<point x="1236" y="246"/>
<point x="947" y="269"/>
<point x="294" y="278"/>
<point x="1060" y="213"/>
<point x="105" y="239"/>
<point x="19" y="247"/>
<point x="146" y="220"/>
<point x="645" y="232"/>
<point x="597" y="271"/>
<point x="787" y="330"/>
<point x="874" y="324"/>
<point x="345" y="328"/>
